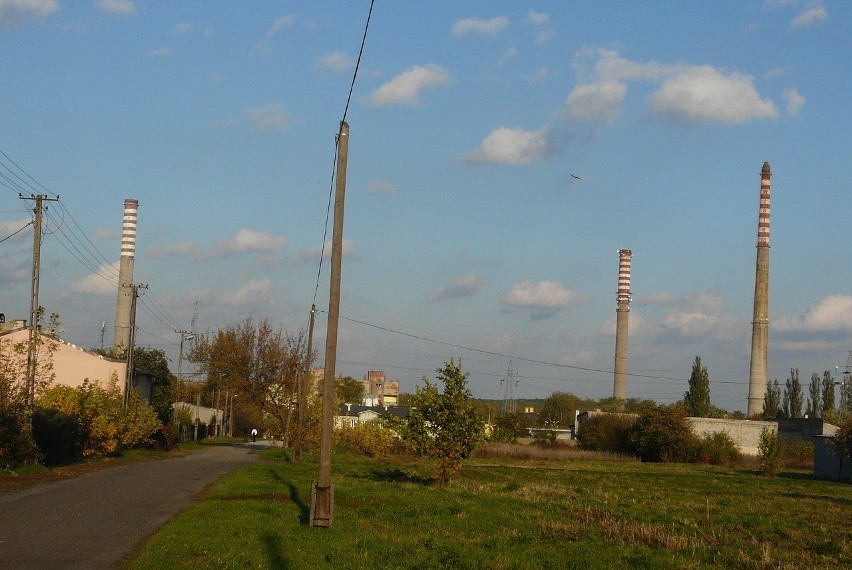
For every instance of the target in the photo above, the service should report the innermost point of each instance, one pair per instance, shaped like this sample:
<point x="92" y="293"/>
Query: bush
<point x="842" y="441"/>
<point x="799" y="454"/>
<point x="770" y="452"/>
<point x="17" y="447"/>
<point x="111" y="427"/>
<point x="662" y="434"/>
<point x="60" y="436"/>
<point x="165" y="438"/>
<point x="718" y="449"/>
<point x="367" y="438"/>
<point x="607" y="432"/>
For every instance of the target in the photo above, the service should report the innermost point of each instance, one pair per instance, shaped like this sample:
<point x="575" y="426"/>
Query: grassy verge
<point x="504" y="512"/>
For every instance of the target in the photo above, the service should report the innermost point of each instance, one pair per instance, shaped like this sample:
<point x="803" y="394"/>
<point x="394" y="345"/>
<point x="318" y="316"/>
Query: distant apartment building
<point x="378" y="391"/>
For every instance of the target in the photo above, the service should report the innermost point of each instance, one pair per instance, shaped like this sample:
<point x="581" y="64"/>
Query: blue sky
<point x="465" y="223"/>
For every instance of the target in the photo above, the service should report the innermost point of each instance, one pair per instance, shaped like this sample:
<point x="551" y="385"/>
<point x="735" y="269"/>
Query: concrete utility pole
<point x="304" y="380"/>
<point x="34" y="306"/>
<point x="128" y="384"/>
<point x="760" y="322"/>
<point x="322" y="494"/>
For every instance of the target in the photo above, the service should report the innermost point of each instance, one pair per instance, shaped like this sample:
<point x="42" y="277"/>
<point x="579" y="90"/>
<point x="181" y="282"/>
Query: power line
<point x="28" y="224"/>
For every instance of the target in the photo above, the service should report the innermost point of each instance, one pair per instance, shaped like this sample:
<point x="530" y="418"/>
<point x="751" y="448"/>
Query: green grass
<point x="511" y="513"/>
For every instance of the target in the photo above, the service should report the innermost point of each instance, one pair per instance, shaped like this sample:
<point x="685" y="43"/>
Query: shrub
<point x="662" y="434"/>
<point x="509" y="427"/>
<point x="799" y="454"/>
<point x="17" y="447"/>
<point x="607" y="432"/>
<point x="718" y="449"/>
<point x="112" y="428"/>
<point x="165" y="438"/>
<point x="842" y="442"/>
<point x="770" y="452"/>
<point x="367" y="438"/>
<point x="60" y="436"/>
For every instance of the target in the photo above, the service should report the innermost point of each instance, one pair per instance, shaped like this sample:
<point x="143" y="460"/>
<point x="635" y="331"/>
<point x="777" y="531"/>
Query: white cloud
<point x="269" y="117"/>
<point x="105" y="234"/>
<point x="184" y="248"/>
<point x="608" y="65"/>
<point x="833" y="313"/>
<point x="795" y="102"/>
<point x="464" y="286"/>
<point x="337" y="62"/>
<point x="118" y="7"/>
<point x="656" y="299"/>
<point x="254" y="291"/>
<point x="542" y="299"/>
<point x="13" y="12"/>
<point x="7" y="228"/>
<point x="514" y="146"/>
<point x="703" y="94"/>
<point x="280" y="24"/>
<point x="810" y="17"/>
<point x="181" y="28"/>
<point x="380" y="187"/>
<point x="311" y="254"/>
<point x="102" y="282"/>
<point x="595" y="102"/>
<point x="250" y="241"/>
<point x="160" y="52"/>
<point x="538" y="18"/>
<point x="480" y="26"/>
<point x="539" y="75"/>
<point x="637" y="325"/>
<point x="405" y="88"/>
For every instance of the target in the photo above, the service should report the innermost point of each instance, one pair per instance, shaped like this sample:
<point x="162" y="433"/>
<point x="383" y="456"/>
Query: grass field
<point x="507" y="511"/>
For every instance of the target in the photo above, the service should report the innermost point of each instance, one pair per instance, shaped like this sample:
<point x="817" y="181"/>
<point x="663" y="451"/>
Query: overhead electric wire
<point x="337" y="148"/>
<point x="17" y="232"/>
<point x="521" y="358"/>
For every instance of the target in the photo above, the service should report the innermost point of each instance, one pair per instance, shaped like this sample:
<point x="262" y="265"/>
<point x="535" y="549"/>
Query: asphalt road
<point x="99" y="519"/>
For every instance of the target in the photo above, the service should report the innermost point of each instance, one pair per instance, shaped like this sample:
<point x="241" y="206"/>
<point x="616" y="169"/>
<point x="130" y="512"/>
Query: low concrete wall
<point x="745" y="433"/>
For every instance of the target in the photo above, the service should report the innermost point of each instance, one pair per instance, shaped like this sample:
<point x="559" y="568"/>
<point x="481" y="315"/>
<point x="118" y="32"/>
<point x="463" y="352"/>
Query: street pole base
<point x="322" y="505"/>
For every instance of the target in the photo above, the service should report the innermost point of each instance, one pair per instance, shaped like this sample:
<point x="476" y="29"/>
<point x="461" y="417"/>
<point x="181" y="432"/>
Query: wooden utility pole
<point x="34" y="306"/>
<point x="304" y="382"/>
<point x="322" y="494"/>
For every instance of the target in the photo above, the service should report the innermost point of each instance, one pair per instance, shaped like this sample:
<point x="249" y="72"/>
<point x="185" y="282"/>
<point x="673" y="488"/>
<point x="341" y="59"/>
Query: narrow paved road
<point x="97" y="520"/>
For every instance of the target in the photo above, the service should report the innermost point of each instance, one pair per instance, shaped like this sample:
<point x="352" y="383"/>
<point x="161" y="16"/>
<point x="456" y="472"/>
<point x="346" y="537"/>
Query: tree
<point x="255" y="361"/>
<point x="559" y="409"/>
<point x="444" y="425"/>
<point x="509" y="427"/>
<point x="842" y="441"/>
<point x="348" y="390"/>
<point x="771" y="400"/>
<point x="793" y="395"/>
<point x="827" y="406"/>
<point x="697" y="398"/>
<point x="154" y="362"/>
<point x="662" y="433"/>
<point x="814" y="405"/>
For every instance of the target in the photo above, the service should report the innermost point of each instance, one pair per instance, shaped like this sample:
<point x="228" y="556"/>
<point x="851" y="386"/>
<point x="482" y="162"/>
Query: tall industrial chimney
<point x="125" y="276"/>
<point x="760" y="322"/>
<point x="622" y="312"/>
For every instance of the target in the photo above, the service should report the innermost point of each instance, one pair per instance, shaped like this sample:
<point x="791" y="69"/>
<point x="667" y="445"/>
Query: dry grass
<point x="555" y="453"/>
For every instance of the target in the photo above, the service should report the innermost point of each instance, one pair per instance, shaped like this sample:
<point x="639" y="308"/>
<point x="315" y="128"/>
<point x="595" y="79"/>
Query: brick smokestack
<point x="760" y="321"/>
<point x="125" y="276"/>
<point x="622" y="312"/>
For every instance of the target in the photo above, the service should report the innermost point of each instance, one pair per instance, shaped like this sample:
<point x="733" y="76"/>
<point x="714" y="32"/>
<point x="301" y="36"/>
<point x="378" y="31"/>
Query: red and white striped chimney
<point x="124" y="303"/>
<point x="622" y="312"/>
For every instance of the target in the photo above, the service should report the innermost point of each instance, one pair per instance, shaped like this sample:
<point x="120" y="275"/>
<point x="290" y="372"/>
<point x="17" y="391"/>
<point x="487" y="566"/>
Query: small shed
<point x="828" y="464"/>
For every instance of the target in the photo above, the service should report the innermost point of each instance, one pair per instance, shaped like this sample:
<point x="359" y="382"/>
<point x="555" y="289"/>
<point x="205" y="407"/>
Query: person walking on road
<point x="253" y="435"/>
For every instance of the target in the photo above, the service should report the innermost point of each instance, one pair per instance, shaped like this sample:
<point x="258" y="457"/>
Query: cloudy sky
<point x="501" y="153"/>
